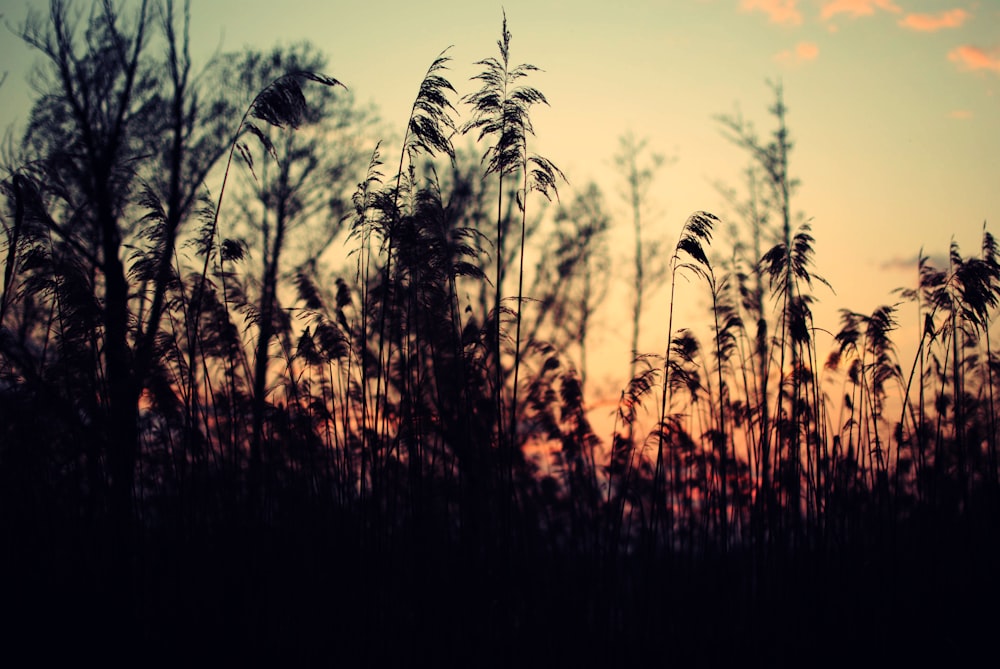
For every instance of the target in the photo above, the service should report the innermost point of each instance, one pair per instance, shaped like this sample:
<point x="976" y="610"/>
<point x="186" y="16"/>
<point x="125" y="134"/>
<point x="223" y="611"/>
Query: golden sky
<point x="894" y="105"/>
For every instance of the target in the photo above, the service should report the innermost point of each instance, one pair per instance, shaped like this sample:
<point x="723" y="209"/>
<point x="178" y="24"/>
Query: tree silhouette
<point x="566" y="287"/>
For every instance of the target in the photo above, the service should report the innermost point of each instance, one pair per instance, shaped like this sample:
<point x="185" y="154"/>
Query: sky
<point x="893" y="105"/>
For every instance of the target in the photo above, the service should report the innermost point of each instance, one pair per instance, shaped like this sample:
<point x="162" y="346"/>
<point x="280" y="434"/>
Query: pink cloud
<point x="973" y="58"/>
<point x="779" y="11"/>
<point x="929" y="23"/>
<point x="856" y="8"/>
<point x="804" y="51"/>
<point x="807" y="51"/>
<point x="960" y="114"/>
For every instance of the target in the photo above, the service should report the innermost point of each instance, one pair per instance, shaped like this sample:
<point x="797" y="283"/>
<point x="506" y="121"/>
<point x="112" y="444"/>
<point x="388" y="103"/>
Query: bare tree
<point x="639" y="172"/>
<point x="568" y="287"/>
<point x="117" y="145"/>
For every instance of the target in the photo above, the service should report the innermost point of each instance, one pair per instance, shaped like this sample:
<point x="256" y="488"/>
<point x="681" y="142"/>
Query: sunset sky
<point x="894" y="105"/>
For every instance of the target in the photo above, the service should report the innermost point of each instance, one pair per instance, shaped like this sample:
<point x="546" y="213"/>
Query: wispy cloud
<point x="779" y="11"/>
<point x="803" y="51"/>
<point x="973" y="58"/>
<point x="910" y="263"/>
<point x="960" y="114"/>
<point x="928" y="23"/>
<point x="856" y="8"/>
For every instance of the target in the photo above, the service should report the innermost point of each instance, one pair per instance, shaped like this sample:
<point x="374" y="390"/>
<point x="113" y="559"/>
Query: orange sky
<point x="894" y="106"/>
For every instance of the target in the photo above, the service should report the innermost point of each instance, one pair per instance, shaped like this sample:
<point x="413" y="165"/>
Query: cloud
<point x="960" y="114"/>
<point x="972" y="58"/>
<point x="804" y="51"/>
<point x="856" y="8"/>
<point x="909" y="263"/>
<point x="779" y="11"/>
<point x="807" y="50"/>
<point x="929" y="23"/>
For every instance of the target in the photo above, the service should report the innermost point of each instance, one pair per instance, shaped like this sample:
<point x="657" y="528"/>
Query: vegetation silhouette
<point x="371" y="448"/>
